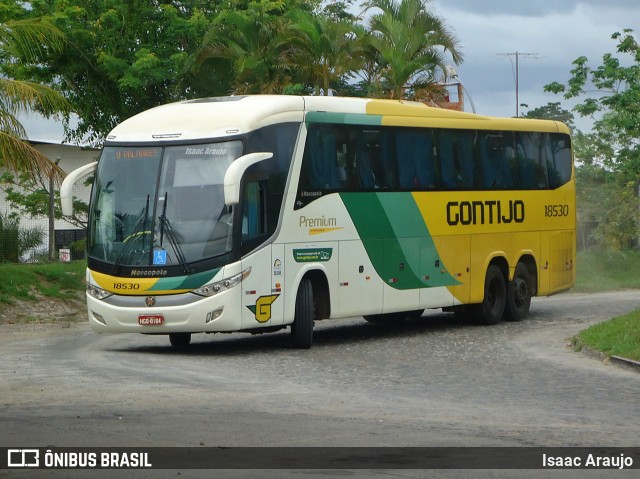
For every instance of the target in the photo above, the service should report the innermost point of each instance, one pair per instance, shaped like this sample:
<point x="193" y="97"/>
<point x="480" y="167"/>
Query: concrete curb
<point x="619" y="361"/>
<point x="626" y="363"/>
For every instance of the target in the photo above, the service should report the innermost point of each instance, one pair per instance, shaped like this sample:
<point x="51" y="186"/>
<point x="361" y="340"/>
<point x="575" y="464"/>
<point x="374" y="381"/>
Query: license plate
<point x="150" y="320"/>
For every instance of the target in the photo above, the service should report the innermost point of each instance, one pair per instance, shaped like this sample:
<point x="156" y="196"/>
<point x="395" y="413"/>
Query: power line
<point x="518" y="55"/>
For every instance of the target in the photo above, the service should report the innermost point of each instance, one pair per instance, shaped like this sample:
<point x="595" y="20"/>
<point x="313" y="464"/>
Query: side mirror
<point x="66" y="189"/>
<point x="234" y="174"/>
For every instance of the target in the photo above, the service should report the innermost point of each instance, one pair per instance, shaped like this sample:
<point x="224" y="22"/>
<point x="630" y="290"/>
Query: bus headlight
<point x="222" y="285"/>
<point x="96" y="292"/>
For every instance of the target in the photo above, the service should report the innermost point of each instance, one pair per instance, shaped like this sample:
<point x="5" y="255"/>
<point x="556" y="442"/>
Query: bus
<point x="258" y="213"/>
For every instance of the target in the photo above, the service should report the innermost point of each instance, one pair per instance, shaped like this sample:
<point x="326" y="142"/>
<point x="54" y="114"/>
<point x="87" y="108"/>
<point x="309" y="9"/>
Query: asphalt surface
<point x="430" y="382"/>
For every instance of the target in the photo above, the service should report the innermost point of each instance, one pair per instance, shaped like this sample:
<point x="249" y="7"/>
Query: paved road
<point x="431" y="382"/>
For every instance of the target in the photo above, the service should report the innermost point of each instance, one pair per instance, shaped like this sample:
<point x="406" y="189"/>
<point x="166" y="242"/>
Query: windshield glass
<point x="155" y="206"/>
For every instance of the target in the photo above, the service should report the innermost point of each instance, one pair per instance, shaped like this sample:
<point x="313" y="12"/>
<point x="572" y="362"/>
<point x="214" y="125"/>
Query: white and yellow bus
<point x="256" y="213"/>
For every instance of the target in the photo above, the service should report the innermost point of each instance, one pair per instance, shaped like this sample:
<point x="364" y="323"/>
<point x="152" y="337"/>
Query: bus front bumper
<point x="166" y="314"/>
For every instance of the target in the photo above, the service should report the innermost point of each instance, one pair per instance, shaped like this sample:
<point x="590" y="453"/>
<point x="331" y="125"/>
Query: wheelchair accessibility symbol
<point x="159" y="257"/>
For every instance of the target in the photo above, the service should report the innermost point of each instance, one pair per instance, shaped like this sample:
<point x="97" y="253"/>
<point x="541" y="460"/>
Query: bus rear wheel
<point x="180" y="340"/>
<point x="519" y="294"/>
<point x="302" y="327"/>
<point x="492" y="308"/>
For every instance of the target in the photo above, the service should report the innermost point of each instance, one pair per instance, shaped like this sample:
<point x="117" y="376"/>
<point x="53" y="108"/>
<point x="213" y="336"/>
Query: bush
<point x="16" y="241"/>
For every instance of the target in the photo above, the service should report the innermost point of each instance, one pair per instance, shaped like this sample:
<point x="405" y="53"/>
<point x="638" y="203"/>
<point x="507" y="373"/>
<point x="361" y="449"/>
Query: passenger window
<point x="416" y="165"/>
<point x="372" y="169"/>
<point x="324" y="166"/>
<point x="497" y="160"/>
<point x="532" y="164"/>
<point x="455" y="153"/>
<point x="559" y="161"/>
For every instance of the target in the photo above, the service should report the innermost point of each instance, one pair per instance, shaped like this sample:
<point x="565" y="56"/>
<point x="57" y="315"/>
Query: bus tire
<point x="492" y="308"/>
<point x="518" y="294"/>
<point x="302" y="326"/>
<point x="180" y="340"/>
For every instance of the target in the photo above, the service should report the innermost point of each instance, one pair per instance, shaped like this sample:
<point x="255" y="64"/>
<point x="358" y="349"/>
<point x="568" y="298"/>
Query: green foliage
<point x="609" y="157"/>
<point x="58" y="280"/>
<point x="604" y="196"/>
<point x="412" y="44"/>
<point x="323" y="51"/>
<point x="552" y="111"/>
<point x="607" y="270"/>
<point x="122" y="57"/>
<point x="617" y="337"/>
<point x="16" y="241"/>
<point x="617" y="101"/>
<point x="25" y="42"/>
<point x="29" y="196"/>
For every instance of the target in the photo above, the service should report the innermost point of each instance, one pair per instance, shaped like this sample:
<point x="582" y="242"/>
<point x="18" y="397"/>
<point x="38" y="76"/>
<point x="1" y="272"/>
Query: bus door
<point x="261" y="290"/>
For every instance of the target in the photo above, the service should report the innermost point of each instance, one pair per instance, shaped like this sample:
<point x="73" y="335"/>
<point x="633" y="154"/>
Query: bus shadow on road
<point x="327" y="335"/>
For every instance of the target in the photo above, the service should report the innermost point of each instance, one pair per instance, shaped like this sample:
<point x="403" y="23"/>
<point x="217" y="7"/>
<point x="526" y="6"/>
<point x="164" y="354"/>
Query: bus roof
<point x="228" y="116"/>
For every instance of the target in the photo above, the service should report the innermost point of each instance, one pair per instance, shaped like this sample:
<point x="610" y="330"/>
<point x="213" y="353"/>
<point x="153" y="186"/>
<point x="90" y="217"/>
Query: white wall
<point x="71" y="157"/>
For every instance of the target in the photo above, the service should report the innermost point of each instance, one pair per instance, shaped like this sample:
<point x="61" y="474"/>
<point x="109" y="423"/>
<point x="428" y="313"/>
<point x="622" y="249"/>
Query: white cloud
<point x="557" y="31"/>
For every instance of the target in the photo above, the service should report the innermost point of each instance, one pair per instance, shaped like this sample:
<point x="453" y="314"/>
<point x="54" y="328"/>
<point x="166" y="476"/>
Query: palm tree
<point x="250" y="41"/>
<point x="324" y="50"/>
<point x="24" y="40"/>
<point x="414" y="45"/>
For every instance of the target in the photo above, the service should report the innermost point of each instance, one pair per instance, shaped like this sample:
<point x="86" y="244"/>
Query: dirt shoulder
<point x="44" y="310"/>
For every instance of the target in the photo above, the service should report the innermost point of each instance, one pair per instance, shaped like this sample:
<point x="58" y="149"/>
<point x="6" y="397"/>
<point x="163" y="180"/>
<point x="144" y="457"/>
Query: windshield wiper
<point x="142" y="221"/>
<point x="165" y="225"/>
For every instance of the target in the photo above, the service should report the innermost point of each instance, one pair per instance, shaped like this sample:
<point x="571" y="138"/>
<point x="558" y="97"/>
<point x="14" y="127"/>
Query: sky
<point x="556" y="32"/>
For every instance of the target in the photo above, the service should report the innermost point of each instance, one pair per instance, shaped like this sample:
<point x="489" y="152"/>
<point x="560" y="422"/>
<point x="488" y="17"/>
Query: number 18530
<point x="556" y="210"/>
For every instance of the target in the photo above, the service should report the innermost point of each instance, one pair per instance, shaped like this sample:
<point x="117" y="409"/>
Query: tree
<point x="552" y="111"/>
<point x="414" y="45"/>
<point x="610" y="94"/>
<point x="251" y="37"/>
<point x="26" y="41"/>
<point x="122" y="57"/>
<point x="16" y="241"/>
<point x="324" y="49"/>
<point x="30" y="196"/>
<point x="615" y="105"/>
<point x="249" y="41"/>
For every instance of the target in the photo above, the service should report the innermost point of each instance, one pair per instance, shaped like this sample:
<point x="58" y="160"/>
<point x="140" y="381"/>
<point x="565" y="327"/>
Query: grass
<point x="52" y="280"/>
<point x="617" y="337"/>
<point x="607" y="271"/>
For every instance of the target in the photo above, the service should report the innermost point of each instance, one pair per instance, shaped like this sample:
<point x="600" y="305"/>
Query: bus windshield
<point x="161" y="206"/>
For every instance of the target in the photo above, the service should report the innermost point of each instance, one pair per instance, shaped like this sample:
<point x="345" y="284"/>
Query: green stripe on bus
<point x="397" y="240"/>
<point x="192" y="281"/>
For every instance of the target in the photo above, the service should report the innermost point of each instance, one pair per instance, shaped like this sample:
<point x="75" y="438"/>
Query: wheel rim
<point x="520" y="291"/>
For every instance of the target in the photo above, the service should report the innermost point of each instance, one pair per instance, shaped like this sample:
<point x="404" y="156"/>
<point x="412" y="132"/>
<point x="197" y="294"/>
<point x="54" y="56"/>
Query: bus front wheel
<point x="492" y="308"/>
<point x="519" y="294"/>
<point x="302" y="327"/>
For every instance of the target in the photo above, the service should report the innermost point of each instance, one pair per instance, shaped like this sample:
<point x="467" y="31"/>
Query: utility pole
<point x="52" y="216"/>
<point x="518" y="55"/>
